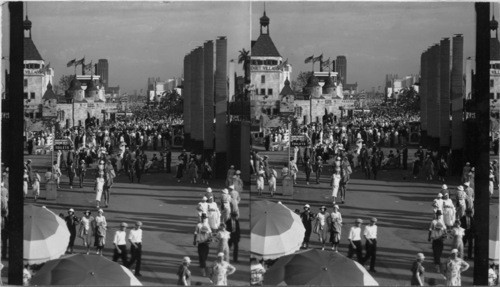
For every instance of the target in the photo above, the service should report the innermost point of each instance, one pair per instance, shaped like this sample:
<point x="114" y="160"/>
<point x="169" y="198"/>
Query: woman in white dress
<point x="448" y="211"/>
<point x="457" y="234"/>
<point x="222" y="237"/>
<point x="260" y="181"/>
<point x="335" y="184"/>
<point x="100" y="227"/>
<point x="225" y="205"/>
<point x="202" y="207"/>
<point x="213" y="214"/>
<point x="25" y="182"/>
<point x="86" y="233"/>
<point x="36" y="184"/>
<point x="437" y="203"/>
<point x="272" y="181"/>
<point x="321" y="226"/>
<point x="335" y="227"/>
<point x="99" y="187"/>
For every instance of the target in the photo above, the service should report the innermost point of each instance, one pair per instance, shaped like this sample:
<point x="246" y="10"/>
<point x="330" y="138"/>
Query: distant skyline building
<point x="102" y="69"/>
<point x="341" y="69"/>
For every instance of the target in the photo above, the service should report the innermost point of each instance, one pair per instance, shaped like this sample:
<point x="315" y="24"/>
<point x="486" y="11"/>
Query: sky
<point x="377" y="38"/>
<point x="139" y="39"/>
<point x="150" y="39"/>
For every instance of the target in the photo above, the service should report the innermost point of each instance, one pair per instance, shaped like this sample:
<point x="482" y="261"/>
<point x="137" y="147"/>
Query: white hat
<point x="466" y="183"/>
<point x="440" y="195"/>
<point x="461" y="188"/>
<point x="225" y="190"/>
<point x="444" y="186"/>
<point x="307" y="205"/>
<point x="454" y="251"/>
<point x="71" y="210"/>
<point x="231" y="186"/>
<point x="209" y="189"/>
<point x="204" y="198"/>
<point x="220" y="254"/>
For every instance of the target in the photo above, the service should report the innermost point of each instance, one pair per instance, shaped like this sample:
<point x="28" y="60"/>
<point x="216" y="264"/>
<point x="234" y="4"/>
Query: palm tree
<point x="244" y="58"/>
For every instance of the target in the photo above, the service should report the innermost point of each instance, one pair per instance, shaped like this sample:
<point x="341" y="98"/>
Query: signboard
<point x="63" y="144"/>
<point x="300" y="140"/>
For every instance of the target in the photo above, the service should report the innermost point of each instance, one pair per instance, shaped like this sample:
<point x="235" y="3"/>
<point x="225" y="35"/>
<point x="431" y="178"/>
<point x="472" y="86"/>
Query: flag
<point x="309" y="59"/>
<point x="80" y="62"/>
<point x="325" y="64"/>
<point x="71" y="63"/>
<point x="282" y="65"/>
<point x="317" y="59"/>
<point x="88" y="67"/>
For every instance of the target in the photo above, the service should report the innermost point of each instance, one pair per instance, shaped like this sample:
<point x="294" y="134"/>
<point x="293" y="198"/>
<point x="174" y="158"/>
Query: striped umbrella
<point x="84" y="270"/>
<point x="275" y="230"/>
<point x="316" y="267"/>
<point x="46" y="235"/>
<point x="494" y="246"/>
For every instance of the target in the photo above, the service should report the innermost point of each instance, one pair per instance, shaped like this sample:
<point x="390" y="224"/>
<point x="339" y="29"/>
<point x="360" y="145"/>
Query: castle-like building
<point x="84" y="99"/>
<point x="272" y="94"/>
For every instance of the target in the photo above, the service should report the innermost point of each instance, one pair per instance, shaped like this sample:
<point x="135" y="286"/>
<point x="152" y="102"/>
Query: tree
<point x="301" y="81"/>
<point x="64" y="83"/>
<point x="244" y="58"/>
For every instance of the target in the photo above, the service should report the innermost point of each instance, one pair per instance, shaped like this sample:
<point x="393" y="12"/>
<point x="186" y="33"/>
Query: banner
<point x="298" y="140"/>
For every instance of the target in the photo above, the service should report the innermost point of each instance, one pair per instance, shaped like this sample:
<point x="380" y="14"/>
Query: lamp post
<point x="73" y="112"/>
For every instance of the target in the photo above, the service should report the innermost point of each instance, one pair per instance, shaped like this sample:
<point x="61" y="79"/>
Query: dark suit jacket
<point x="468" y="229"/>
<point x="234" y="230"/>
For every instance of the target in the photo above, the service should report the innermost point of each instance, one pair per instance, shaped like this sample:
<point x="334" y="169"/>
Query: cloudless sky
<point x="139" y="39"/>
<point x="377" y="38"/>
<point x="150" y="39"/>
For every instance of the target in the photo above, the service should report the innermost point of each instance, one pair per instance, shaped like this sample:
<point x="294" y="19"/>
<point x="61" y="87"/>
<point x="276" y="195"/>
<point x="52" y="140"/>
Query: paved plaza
<point x="168" y="212"/>
<point x="401" y="204"/>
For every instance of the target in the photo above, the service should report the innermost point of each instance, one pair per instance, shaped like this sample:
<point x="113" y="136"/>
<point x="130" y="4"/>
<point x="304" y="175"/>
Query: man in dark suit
<point x="405" y="157"/>
<point x="467" y="222"/>
<point x="168" y="158"/>
<point x="233" y="226"/>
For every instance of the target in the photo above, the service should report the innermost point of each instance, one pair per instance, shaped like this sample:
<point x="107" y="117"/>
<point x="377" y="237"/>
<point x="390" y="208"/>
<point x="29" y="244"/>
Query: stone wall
<point x="85" y="110"/>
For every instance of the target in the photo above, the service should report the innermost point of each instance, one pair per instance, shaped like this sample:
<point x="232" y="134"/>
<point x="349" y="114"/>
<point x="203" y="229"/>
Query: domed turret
<point x="49" y="93"/>
<point x="493" y="24"/>
<point x="74" y="91"/>
<point x="264" y="20"/>
<point x="27" y="24"/>
<point x="328" y="87"/>
<point x="91" y="93"/>
<point x="75" y="85"/>
<point x="312" y="81"/>
<point x="287" y="90"/>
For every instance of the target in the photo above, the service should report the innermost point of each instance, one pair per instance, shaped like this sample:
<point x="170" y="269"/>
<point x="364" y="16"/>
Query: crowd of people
<point x="219" y="227"/>
<point x="106" y="150"/>
<point x="338" y="148"/>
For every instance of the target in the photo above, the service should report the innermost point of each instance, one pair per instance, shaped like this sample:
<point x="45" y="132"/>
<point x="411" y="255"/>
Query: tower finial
<point x="264" y="21"/>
